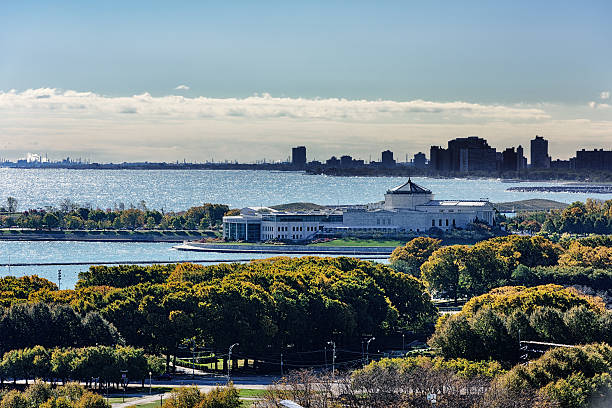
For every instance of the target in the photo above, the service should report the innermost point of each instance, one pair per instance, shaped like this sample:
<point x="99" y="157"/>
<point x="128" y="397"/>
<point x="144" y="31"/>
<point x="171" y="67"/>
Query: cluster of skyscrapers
<point x="471" y="155"/>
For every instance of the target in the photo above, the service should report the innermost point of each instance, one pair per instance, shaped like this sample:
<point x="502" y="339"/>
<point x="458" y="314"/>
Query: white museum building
<point x="406" y="208"/>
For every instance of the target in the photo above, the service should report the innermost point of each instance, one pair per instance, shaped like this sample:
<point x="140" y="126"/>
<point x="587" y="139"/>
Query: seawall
<point x="286" y="249"/>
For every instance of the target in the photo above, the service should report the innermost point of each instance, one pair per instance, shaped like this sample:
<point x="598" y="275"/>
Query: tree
<point x="50" y="220"/>
<point x="11" y="204"/>
<point x="411" y="256"/>
<point x="445" y="272"/>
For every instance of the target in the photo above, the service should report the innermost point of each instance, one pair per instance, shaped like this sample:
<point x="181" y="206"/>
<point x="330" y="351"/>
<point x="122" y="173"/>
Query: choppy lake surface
<point x="175" y="190"/>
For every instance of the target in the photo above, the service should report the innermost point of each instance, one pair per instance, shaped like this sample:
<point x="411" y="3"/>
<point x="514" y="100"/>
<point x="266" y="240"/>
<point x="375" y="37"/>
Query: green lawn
<point x="114" y="400"/>
<point x="149" y="405"/>
<point x="361" y="242"/>
<point x="251" y="393"/>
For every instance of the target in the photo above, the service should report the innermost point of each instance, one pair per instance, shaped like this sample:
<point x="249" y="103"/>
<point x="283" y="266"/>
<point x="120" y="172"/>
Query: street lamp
<point x="333" y="344"/>
<point x="229" y="360"/>
<point x="368" y="349"/>
<point x="193" y="358"/>
<point x="150" y="374"/>
<point x="124" y="380"/>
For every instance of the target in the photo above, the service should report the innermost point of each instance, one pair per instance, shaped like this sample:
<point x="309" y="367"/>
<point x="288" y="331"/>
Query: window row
<point x="440" y="221"/>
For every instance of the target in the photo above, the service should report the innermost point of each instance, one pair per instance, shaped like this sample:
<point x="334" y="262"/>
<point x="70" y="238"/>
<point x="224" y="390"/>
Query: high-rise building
<point x="298" y="157"/>
<point x="521" y="160"/>
<point x="594" y="159"/>
<point x="539" y="153"/>
<point x="467" y="154"/>
<point x="439" y="159"/>
<point x="420" y="160"/>
<point x="387" y="159"/>
<point x="509" y="160"/>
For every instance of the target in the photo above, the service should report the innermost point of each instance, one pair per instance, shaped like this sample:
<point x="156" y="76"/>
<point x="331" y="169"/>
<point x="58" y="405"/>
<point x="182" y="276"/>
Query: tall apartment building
<point x="539" y="153"/>
<point x="298" y="156"/>
<point x="513" y="160"/>
<point x="594" y="159"/>
<point x="467" y="154"/>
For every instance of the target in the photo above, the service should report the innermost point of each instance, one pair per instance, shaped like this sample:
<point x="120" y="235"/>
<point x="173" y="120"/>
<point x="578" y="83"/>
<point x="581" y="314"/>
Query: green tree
<point x="445" y="271"/>
<point x="50" y="220"/>
<point x="411" y="256"/>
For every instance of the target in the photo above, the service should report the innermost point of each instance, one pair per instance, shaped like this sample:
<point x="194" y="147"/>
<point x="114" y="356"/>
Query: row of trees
<point x="563" y="377"/>
<point x="594" y="216"/>
<point x="104" y="363"/>
<point x="457" y="271"/>
<point x="77" y="217"/>
<point x="491" y="325"/>
<point x="52" y="325"/>
<point x="264" y="305"/>
<point x="43" y="395"/>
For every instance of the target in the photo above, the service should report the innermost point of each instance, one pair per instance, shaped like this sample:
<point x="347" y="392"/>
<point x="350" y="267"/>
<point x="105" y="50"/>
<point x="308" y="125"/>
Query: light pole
<point x="368" y="349"/>
<point x="124" y="380"/>
<point x="59" y="279"/>
<point x="193" y="358"/>
<point x="403" y="342"/>
<point x="333" y="344"/>
<point x="229" y="360"/>
<point x="150" y="374"/>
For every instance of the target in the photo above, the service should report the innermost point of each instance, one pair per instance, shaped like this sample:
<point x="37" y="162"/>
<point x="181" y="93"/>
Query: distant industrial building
<point x="468" y="154"/>
<point x="298" y="157"/>
<point x="406" y="208"/>
<point x="539" y="153"/>
<point x="593" y="159"/>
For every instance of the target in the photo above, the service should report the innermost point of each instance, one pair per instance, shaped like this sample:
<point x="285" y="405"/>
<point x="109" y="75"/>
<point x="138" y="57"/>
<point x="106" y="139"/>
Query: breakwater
<point x="606" y="189"/>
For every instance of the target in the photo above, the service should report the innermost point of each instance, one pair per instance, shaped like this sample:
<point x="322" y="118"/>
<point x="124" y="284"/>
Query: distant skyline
<point x="159" y="81"/>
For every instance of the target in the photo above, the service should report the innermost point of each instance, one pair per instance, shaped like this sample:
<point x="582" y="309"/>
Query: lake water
<point x="178" y="190"/>
<point x="175" y="190"/>
<point x="12" y="252"/>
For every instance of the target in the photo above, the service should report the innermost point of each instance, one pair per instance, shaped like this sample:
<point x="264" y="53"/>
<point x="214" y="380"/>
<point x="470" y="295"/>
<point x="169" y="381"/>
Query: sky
<point x="159" y="80"/>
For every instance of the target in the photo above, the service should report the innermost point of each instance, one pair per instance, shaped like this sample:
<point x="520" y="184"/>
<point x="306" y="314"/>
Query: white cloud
<point x="262" y="106"/>
<point x="182" y="88"/>
<point x="605" y="95"/>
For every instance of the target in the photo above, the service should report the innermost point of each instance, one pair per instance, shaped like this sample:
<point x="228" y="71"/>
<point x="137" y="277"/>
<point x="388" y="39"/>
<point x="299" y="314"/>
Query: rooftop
<point x="409" y="188"/>
<point x="457" y="203"/>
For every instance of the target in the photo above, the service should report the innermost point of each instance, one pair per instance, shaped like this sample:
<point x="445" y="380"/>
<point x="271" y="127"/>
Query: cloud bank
<point x="172" y="127"/>
<point x="262" y="106"/>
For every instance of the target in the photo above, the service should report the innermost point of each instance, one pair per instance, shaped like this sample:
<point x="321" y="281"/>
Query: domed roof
<point x="409" y="188"/>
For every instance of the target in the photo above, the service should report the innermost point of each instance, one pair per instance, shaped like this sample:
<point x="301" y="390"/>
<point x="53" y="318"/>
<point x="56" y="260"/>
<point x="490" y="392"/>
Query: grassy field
<point x="360" y="242"/>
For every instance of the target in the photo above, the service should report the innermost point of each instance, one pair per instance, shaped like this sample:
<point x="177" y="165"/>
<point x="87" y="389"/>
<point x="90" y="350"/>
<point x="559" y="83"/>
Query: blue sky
<point x="550" y="53"/>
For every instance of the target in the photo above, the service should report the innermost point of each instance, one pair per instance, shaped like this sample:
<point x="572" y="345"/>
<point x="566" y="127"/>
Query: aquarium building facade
<point x="406" y="208"/>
